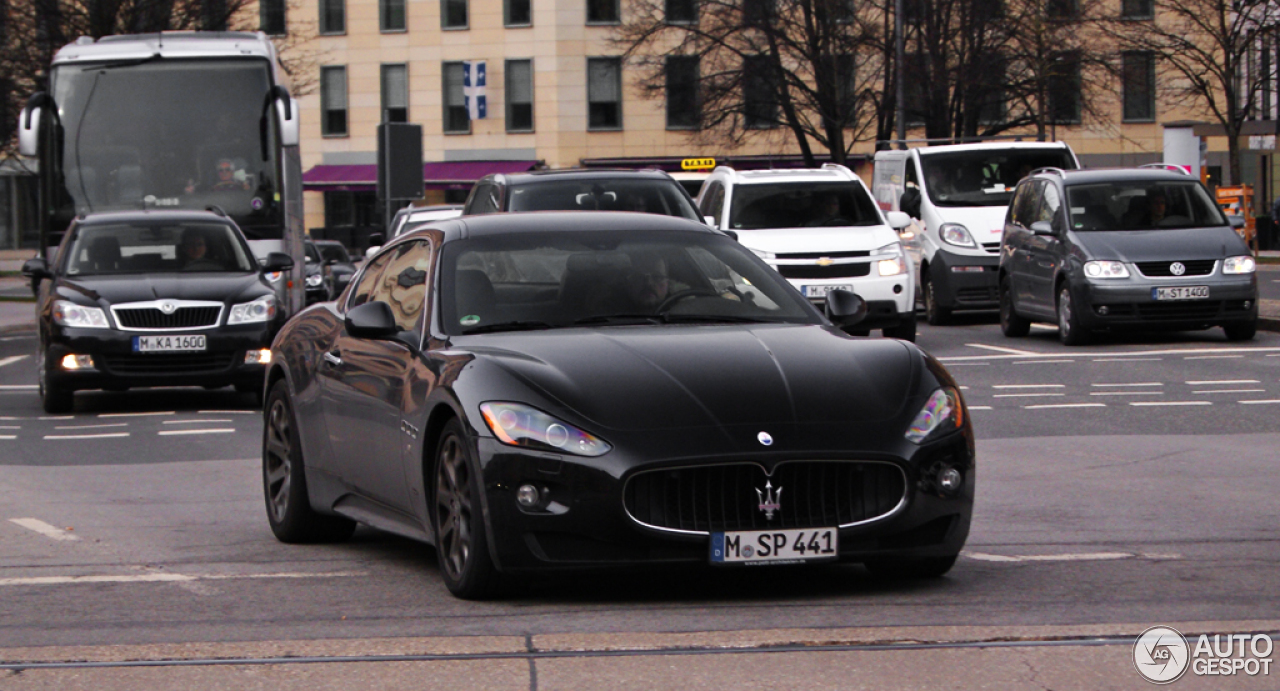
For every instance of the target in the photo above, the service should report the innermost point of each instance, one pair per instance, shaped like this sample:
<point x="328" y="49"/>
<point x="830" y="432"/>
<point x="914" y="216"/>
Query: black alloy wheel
<point x="53" y="399"/>
<point x="461" y="545"/>
<point x="285" y="482"/>
<point x="928" y="567"/>
<point x="935" y="314"/>
<point x="1011" y="324"/>
<point x="1070" y="330"/>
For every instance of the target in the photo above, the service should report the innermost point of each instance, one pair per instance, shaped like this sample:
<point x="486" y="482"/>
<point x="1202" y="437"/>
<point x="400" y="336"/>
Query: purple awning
<point x="438" y="175"/>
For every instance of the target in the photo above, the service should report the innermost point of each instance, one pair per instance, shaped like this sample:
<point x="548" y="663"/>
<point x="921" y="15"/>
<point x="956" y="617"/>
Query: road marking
<point x="56" y="417"/>
<point x="1039" y="362"/>
<point x="167" y="577"/>
<point x="118" y="424"/>
<point x="1127" y="393"/>
<point x="1273" y="400"/>
<point x="1010" y="351"/>
<point x="86" y="436"/>
<point x="10" y="426"/>
<point x="1212" y="357"/>
<point x="1127" y="356"/>
<point x="227" y="412"/>
<point x="19" y="387"/>
<point x="979" y="407"/>
<point x="1137" y="383"/>
<point x="7" y="436"/>
<point x="1064" y="405"/>
<point x="968" y="364"/>
<point x="43" y="528"/>
<point x="171" y="432"/>
<point x="1046" y="327"/>
<point x="1028" y="386"/>
<point x="198" y="422"/>
<point x="1025" y="395"/>
<point x="1129" y="359"/>
<point x="1087" y="556"/>
<point x="1222" y="382"/>
<point x="1232" y="391"/>
<point x="1151" y="403"/>
<point x="12" y="359"/>
<point x="134" y="414"/>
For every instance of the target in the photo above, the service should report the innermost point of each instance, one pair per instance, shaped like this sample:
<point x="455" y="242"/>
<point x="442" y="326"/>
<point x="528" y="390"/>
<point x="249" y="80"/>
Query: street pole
<point x="899" y="115"/>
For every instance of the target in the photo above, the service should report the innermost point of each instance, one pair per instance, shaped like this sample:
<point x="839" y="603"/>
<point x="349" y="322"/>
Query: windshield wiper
<point x="621" y="319"/>
<point x="510" y="326"/>
<point x="720" y="318"/>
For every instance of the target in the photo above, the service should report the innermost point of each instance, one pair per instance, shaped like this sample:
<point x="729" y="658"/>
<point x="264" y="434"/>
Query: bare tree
<point x="804" y="67"/>
<point x="1203" y="54"/>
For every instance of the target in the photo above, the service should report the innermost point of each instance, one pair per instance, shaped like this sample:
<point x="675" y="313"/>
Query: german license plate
<point x="821" y="291"/>
<point x="169" y="344"/>
<point x="1180" y="293"/>
<point x="775" y="546"/>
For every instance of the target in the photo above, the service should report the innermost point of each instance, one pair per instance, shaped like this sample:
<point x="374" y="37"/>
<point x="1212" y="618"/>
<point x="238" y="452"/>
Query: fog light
<point x="1104" y="310"/>
<point x="258" y="357"/>
<point x="77" y="362"/>
<point x="528" y="496"/>
<point x="1248" y="304"/>
<point x="949" y="480"/>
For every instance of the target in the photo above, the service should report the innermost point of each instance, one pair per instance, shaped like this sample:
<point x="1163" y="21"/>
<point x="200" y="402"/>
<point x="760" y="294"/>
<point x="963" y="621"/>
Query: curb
<point x="1268" y="323"/>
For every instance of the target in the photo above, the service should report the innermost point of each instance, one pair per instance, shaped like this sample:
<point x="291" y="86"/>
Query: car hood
<point x="827" y="239"/>
<point x="1161" y="245"/>
<point x="662" y="377"/>
<point x="984" y="223"/>
<point x="216" y="287"/>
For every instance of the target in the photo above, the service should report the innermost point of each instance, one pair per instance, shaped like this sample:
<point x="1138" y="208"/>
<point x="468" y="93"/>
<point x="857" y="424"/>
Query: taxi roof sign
<point x="698" y="164"/>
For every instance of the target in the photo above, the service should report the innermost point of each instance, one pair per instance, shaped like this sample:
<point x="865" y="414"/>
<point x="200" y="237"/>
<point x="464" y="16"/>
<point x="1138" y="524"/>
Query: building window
<point x="391" y="15"/>
<point x="757" y="12"/>
<point x="517" y="13"/>
<point x="333" y="16"/>
<point x="991" y="95"/>
<point x="395" y="93"/>
<point x="844" y="69"/>
<point x="759" y="99"/>
<point x="7" y="123"/>
<point x="682" y="11"/>
<point x="333" y="101"/>
<point x="456" y="120"/>
<point x="1061" y="9"/>
<point x="682" y="92"/>
<point x="604" y="93"/>
<point x="1138" y="88"/>
<point x="1063" y="86"/>
<point x="453" y="14"/>
<point x="519" y="75"/>
<point x="1137" y="9"/>
<point x="271" y="16"/>
<point x="602" y="12"/>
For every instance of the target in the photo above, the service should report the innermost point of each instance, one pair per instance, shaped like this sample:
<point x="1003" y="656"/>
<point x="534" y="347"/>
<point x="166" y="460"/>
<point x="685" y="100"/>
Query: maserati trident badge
<point x="769" y="500"/>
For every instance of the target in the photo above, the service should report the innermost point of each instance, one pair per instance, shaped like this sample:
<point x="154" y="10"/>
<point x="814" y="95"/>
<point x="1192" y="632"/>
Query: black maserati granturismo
<point x="593" y="389"/>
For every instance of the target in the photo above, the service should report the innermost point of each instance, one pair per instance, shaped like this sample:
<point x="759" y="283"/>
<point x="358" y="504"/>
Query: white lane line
<point x="7" y="436"/>
<point x="1221" y="382"/>
<point x="1153" y="403"/>
<point x="1273" y="400"/>
<point x="1212" y="357"/>
<point x="86" y="436"/>
<point x="1128" y="359"/>
<point x="1232" y="391"/>
<point x="1010" y="351"/>
<point x="198" y="422"/>
<point x="227" y="412"/>
<point x="56" y="417"/>
<point x="1087" y="556"/>
<point x="171" y="432"/>
<point x="1040" y="362"/>
<point x="167" y="578"/>
<point x="1026" y="395"/>
<point x="1064" y="405"/>
<point x="10" y="426"/>
<point x="979" y="407"/>
<point x="11" y="359"/>
<point x="1127" y="393"/>
<point x="1046" y="327"/>
<point x="1274" y="355"/>
<point x="19" y="387"/>
<point x="1127" y="356"/>
<point x="39" y="526"/>
<point x="134" y="414"/>
<point x="968" y="364"/>
<point x="1028" y="386"/>
<point x="1140" y="383"/>
<point x="117" y="424"/>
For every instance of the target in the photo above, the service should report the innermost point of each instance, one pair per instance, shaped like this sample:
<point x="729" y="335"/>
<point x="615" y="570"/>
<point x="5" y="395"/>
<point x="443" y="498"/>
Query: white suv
<point x="821" y="230"/>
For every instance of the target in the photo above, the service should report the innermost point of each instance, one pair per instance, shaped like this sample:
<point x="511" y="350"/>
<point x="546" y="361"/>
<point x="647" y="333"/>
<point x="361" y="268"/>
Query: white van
<point x="958" y="195"/>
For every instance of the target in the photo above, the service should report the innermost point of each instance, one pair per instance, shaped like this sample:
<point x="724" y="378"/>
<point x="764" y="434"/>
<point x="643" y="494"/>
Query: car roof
<point x="987" y="146"/>
<point x="1095" y="175"/>
<point x="152" y="216"/>
<point x="536" y="176"/>
<point x="776" y="175"/>
<point x="570" y="221"/>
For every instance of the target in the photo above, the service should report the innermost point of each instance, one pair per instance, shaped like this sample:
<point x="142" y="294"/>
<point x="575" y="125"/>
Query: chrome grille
<point x="167" y="315"/>
<point x="1197" y="267"/>
<point x="812" y="494"/>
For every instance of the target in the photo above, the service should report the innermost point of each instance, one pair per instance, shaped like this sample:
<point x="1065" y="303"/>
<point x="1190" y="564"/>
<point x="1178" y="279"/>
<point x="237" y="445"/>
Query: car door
<point x="1014" y="253"/>
<point x="364" y="379"/>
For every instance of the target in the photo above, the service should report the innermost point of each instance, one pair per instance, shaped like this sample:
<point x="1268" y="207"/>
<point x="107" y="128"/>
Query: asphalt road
<point x="1121" y="485"/>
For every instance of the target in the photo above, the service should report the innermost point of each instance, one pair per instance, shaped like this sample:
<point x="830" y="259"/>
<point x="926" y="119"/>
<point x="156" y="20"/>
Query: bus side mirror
<point x="29" y="125"/>
<point x="287" y="115"/>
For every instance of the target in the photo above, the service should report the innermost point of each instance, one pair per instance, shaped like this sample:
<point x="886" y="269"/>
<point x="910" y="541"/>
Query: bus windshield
<point x="984" y="177"/>
<point x="168" y="134"/>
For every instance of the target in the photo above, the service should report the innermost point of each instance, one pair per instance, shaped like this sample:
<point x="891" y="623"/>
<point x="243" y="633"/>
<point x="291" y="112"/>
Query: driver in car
<point x="647" y="283"/>
<point x="828" y="210"/>
<point x="193" y="252"/>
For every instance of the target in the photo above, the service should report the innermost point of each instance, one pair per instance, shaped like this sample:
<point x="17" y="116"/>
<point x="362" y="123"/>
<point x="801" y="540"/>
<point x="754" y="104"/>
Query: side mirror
<point x="1042" y="228"/>
<point x="373" y="249"/>
<point x="287" y="116"/>
<point x="29" y="130"/>
<point x="372" y="320"/>
<point x="1236" y="222"/>
<point x="376" y="239"/>
<point x="277" y="261"/>
<point x="845" y="307"/>
<point x="709" y="220"/>
<point x="897" y="219"/>
<point x="36" y="269"/>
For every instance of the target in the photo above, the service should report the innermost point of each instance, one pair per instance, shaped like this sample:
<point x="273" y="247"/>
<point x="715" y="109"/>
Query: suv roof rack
<point x="1049" y="169"/>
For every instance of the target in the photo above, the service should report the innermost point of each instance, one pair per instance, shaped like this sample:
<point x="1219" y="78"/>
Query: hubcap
<point x="279" y="458"/>
<point x="1064" y="311"/>
<point x="453" y="507"/>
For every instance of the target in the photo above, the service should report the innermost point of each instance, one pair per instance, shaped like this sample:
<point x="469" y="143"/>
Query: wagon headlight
<point x="314" y="280"/>
<point x="1106" y="269"/>
<point x="892" y="259"/>
<point x="1243" y="264"/>
<point x="521" y="425"/>
<point x="942" y="413"/>
<point x="260" y="310"/>
<point x="956" y="234"/>
<point x="67" y="313"/>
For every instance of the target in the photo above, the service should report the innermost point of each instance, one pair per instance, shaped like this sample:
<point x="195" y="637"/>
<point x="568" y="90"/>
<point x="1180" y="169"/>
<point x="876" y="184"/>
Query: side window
<point x="403" y="285"/>
<point x="365" y="284"/>
<point x="1017" y="203"/>
<point x="709" y="197"/>
<point x="1028" y="202"/>
<point x="1051" y="209"/>
<point x="486" y="199"/>
<point x="715" y="202"/>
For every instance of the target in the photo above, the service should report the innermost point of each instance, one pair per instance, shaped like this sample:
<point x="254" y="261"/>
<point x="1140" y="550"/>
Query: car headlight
<point x="942" y="413"/>
<point x="522" y="425"/>
<point x="260" y="310"/>
<point x="1243" y="264"/>
<point x="1106" y="269"/>
<point x="893" y="259"/>
<point x="314" y="280"/>
<point x="67" y="313"/>
<point x="956" y="234"/>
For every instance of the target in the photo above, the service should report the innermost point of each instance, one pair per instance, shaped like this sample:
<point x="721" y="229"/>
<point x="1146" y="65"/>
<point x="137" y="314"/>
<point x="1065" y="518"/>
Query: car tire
<point x="898" y="569"/>
<point x="284" y="479"/>
<point x="1011" y="324"/>
<point x="1241" y="331"/>
<point x="935" y="314"/>
<point x="905" y="330"/>
<point x="1070" y="331"/>
<point x="53" y="399"/>
<point x="462" y="545"/>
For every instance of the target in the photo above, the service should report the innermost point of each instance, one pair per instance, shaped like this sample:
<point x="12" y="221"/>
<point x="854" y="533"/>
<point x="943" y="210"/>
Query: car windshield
<point x="334" y="253"/>
<point x="801" y="204"/>
<point x="312" y="253"/>
<point x="655" y="196"/>
<point x="562" y="279"/>
<point x="129" y="248"/>
<point x="1142" y="205"/>
<point x="984" y="177"/>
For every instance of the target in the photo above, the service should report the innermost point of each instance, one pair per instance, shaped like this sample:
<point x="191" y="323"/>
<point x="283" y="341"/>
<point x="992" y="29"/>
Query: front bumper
<point x="964" y="282"/>
<point x="585" y="522"/>
<point x="1129" y="303"/>
<point x="116" y="366"/>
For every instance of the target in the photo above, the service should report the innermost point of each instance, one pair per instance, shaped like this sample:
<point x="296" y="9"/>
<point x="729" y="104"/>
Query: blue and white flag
<point x="473" y="83"/>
